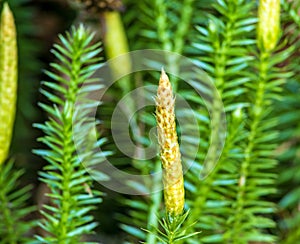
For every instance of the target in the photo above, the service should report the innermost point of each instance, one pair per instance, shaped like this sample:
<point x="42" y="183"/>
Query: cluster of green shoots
<point x="242" y="50"/>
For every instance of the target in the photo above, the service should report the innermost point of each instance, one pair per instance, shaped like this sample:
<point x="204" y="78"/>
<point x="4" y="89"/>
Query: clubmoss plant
<point x="264" y="89"/>
<point x="67" y="218"/>
<point x="169" y="148"/>
<point x="223" y="55"/>
<point x="166" y="26"/>
<point x="13" y="197"/>
<point x="15" y="225"/>
<point x="267" y="37"/>
<point x="170" y="156"/>
<point x="248" y="72"/>
<point x="288" y="151"/>
<point x="219" y="44"/>
<point x="249" y="52"/>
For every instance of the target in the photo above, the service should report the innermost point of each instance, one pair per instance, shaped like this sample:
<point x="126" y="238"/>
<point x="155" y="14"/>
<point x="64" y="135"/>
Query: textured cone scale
<point x="169" y="147"/>
<point x="97" y="6"/>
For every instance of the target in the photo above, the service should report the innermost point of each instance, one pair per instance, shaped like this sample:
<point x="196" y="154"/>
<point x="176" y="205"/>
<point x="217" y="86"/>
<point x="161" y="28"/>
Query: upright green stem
<point x="68" y="169"/>
<point x="170" y="241"/>
<point x="66" y="194"/>
<point x="67" y="217"/>
<point x="183" y="25"/>
<point x="207" y="184"/>
<point x="156" y="199"/>
<point x="162" y="28"/>
<point x="219" y="78"/>
<point x="256" y="113"/>
<point x="179" y="38"/>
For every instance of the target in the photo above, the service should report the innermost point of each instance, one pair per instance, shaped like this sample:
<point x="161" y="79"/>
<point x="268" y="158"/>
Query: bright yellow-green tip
<point x="115" y="43"/>
<point x="268" y="29"/>
<point x="8" y="79"/>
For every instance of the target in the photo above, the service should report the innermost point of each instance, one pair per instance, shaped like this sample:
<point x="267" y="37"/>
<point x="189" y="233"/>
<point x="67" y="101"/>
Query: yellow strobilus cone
<point x="268" y="29"/>
<point x="169" y="148"/>
<point x="8" y="79"/>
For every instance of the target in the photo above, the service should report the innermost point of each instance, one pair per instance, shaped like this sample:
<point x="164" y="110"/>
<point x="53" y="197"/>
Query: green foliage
<point x="167" y="26"/>
<point x="230" y="204"/>
<point x="222" y="54"/>
<point x="13" y="206"/>
<point x="67" y="218"/>
<point x="172" y="229"/>
<point x="13" y="196"/>
<point x="288" y="152"/>
<point x="235" y="200"/>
